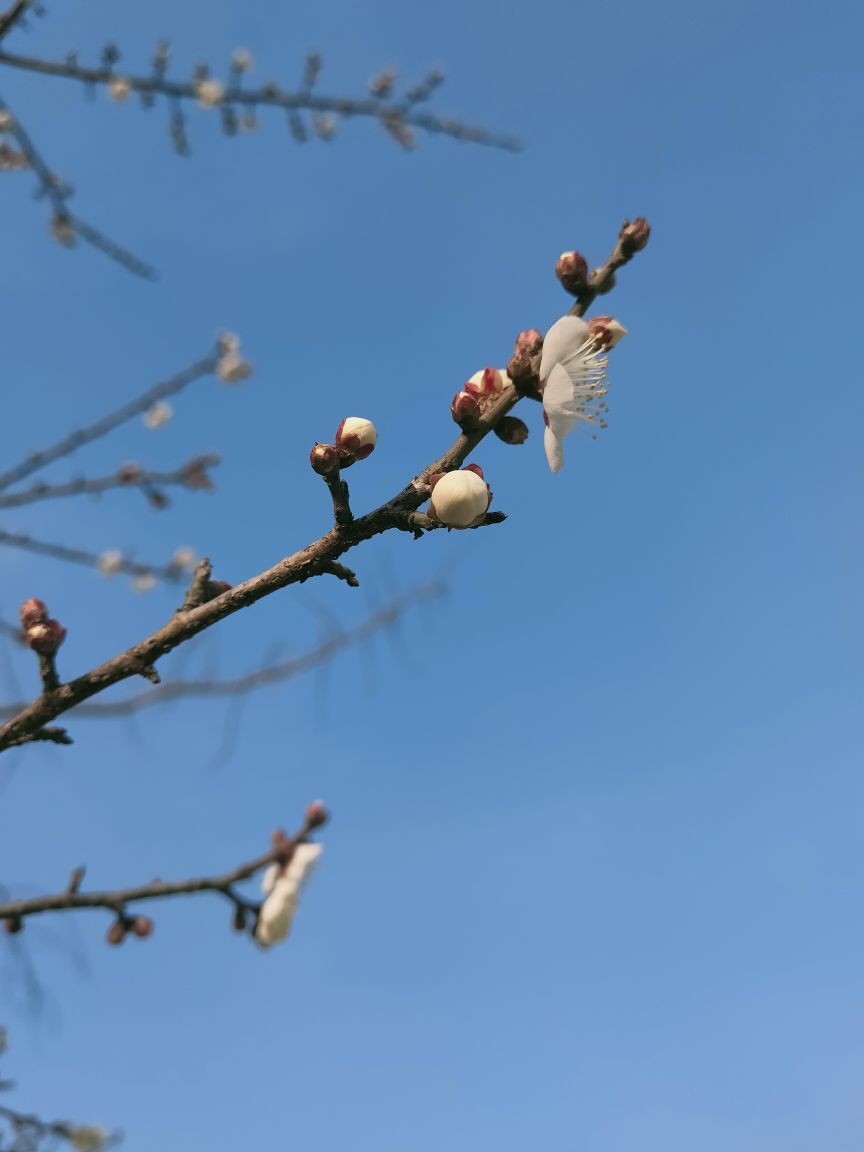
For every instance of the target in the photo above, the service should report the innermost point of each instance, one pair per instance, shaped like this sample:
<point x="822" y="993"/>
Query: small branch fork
<point x="317" y="558"/>
<point x="13" y="913"/>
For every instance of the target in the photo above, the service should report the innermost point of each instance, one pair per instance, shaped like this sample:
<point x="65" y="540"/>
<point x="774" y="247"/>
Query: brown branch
<point x="171" y="573"/>
<point x="631" y="239"/>
<point x="207" y="366"/>
<point x="396" y="116"/>
<point x="315" y="558"/>
<point x="65" y="225"/>
<point x="192" y="474"/>
<point x="117" y="900"/>
<point x="263" y="677"/>
<point x="12" y="16"/>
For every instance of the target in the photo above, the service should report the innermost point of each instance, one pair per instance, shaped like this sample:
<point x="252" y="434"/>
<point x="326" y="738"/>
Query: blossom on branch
<point x="282" y="887"/>
<point x="460" y="499"/>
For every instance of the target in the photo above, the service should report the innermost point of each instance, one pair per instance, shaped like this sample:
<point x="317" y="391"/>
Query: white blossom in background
<point x="573" y="378"/>
<point x="209" y="93"/>
<point x="231" y="368"/>
<point x="88" y="1138"/>
<point x="111" y="562"/>
<point x="282" y="888"/>
<point x="241" y="61"/>
<point x="158" y="415"/>
<point x="185" y="558"/>
<point x="5" y="120"/>
<point x="143" y="582"/>
<point x="119" y="88"/>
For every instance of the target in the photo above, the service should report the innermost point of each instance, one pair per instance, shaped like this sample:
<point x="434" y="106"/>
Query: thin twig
<point x="193" y="474"/>
<point x="171" y="573"/>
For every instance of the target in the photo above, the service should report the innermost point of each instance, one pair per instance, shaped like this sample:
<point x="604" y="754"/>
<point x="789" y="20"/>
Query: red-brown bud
<point x="117" y="932"/>
<point x="487" y="382"/>
<point x="511" y="430"/>
<point x="142" y="927"/>
<point x="572" y="271"/>
<point x="529" y="341"/>
<point x="32" y="612"/>
<point x="45" y="638"/>
<point x="217" y="587"/>
<point x="316" y="815"/>
<point x="324" y="459"/>
<point x="634" y="235"/>
<point x="12" y="925"/>
<point x="465" y="410"/>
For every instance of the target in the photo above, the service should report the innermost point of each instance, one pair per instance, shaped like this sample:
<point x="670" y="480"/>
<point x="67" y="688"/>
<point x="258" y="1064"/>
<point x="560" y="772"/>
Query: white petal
<point x="554" y="450"/>
<point x="564" y="338"/>
<point x="560" y="402"/>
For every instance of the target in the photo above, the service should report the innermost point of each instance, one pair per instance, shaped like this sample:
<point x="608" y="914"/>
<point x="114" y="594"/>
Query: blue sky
<point x="595" y="866"/>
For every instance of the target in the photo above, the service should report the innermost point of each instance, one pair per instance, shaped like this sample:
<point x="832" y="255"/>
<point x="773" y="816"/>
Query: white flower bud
<point x="232" y="368"/>
<point x="459" y="499"/>
<point x="110" y="563"/>
<point x="241" y="61"/>
<point x="88" y="1138"/>
<point x="119" y="88"/>
<point x="357" y="436"/>
<point x="487" y="382"/>
<point x="158" y="415"/>
<point x="209" y="93"/>
<point x="185" y="558"/>
<point x="144" y="582"/>
<point x="283" y="890"/>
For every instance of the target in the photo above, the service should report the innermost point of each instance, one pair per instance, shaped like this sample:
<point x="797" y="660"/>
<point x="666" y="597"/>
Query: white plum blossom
<point x="158" y="415"/>
<point x="111" y="562"/>
<point x="231" y="367"/>
<point x="460" y="499"/>
<point x="573" y="378"/>
<point x="209" y="93"/>
<point x="282" y="888"/>
<point x="185" y="558"/>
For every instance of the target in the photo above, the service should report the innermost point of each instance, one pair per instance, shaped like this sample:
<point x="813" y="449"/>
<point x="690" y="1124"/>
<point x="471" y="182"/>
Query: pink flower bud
<point x="606" y="331"/>
<point x="142" y="927"/>
<point x="316" y="815"/>
<point x="487" y="382"/>
<point x="529" y="341"/>
<point x="45" y="638"/>
<point x="572" y="271"/>
<point x="465" y="410"/>
<point x="116" y="933"/>
<point x="32" y="612"/>
<point x="634" y="235"/>
<point x="357" y="437"/>
<point x="324" y="459"/>
<point x="460" y="499"/>
<point x="511" y="430"/>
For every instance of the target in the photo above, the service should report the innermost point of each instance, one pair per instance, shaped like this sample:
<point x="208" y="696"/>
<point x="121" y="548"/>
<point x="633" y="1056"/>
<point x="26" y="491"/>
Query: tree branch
<point x="192" y="474"/>
<point x="171" y="573"/>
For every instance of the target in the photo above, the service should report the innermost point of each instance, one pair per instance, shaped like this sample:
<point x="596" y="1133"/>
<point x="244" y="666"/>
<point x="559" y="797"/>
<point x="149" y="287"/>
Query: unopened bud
<point x="460" y="499"/>
<point x="519" y="367"/>
<point x="634" y="235"/>
<point x="142" y="927"/>
<point x="487" y="382"/>
<point x="316" y="815"/>
<point x="217" y="587"/>
<point x="324" y="459"/>
<point x="45" y="638"/>
<point x="356" y="437"/>
<point x="572" y="271"/>
<point x="116" y="933"/>
<point x="528" y="341"/>
<point x="465" y="410"/>
<point x="32" y="612"/>
<point x="12" y="925"/>
<point x="606" y="331"/>
<point x="511" y="430"/>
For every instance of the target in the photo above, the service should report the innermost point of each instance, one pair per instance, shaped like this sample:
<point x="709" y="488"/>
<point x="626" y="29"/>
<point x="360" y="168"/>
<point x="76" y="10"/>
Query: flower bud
<point x="209" y="93"/>
<point x="117" y="932"/>
<point x="12" y="925"/>
<point x="232" y="369"/>
<point x="216" y="588"/>
<point x="530" y="341"/>
<point x="511" y="430"/>
<point x="460" y="499"/>
<point x="111" y="562"/>
<point x="465" y="410"/>
<point x="316" y="815"/>
<point x="607" y="331"/>
<point x="45" y="638"/>
<point x="475" y="468"/>
<point x="119" y="88"/>
<point x="32" y="612"/>
<point x="324" y="459"/>
<point x="238" y="920"/>
<point x="572" y="271"/>
<point x="142" y="927"/>
<point x="357" y="437"/>
<point x="487" y="382"/>
<point x="634" y="235"/>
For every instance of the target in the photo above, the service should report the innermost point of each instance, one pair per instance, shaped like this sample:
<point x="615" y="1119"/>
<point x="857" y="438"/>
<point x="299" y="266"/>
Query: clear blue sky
<point x="595" y="871"/>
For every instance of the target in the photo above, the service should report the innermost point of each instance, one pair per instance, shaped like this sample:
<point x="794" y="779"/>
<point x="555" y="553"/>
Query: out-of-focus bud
<point x="142" y="927"/>
<point x="88" y="1138"/>
<point x="511" y="430"/>
<point x="217" y="587"/>
<point x="32" y="612"/>
<point x="12" y="925"/>
<point x="465" y="410"/>
<point x="238" y="920"/>
<point x="232" y="368"/>
<point x="110" y="563"/>
<point x="62" y="230"/>
<point x="241" y="60"/>
<point x="607" y="331"/>
<point x="460" y="499"/>
<point x="487" y="382"/>
<point x="158" y="415"/>
<point x="572" y="271"/>
<point x="528" y="341"/>
<point x="324" y="459"/>
<point x="119" y="88"/>
<point x="209" y="93"/>
<point x="45" y="638"/>
<point x="316" y="814"/>
<point x="357" y="437"/>
<point x="117" y="932"/>
<point x="634" y="235"/>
